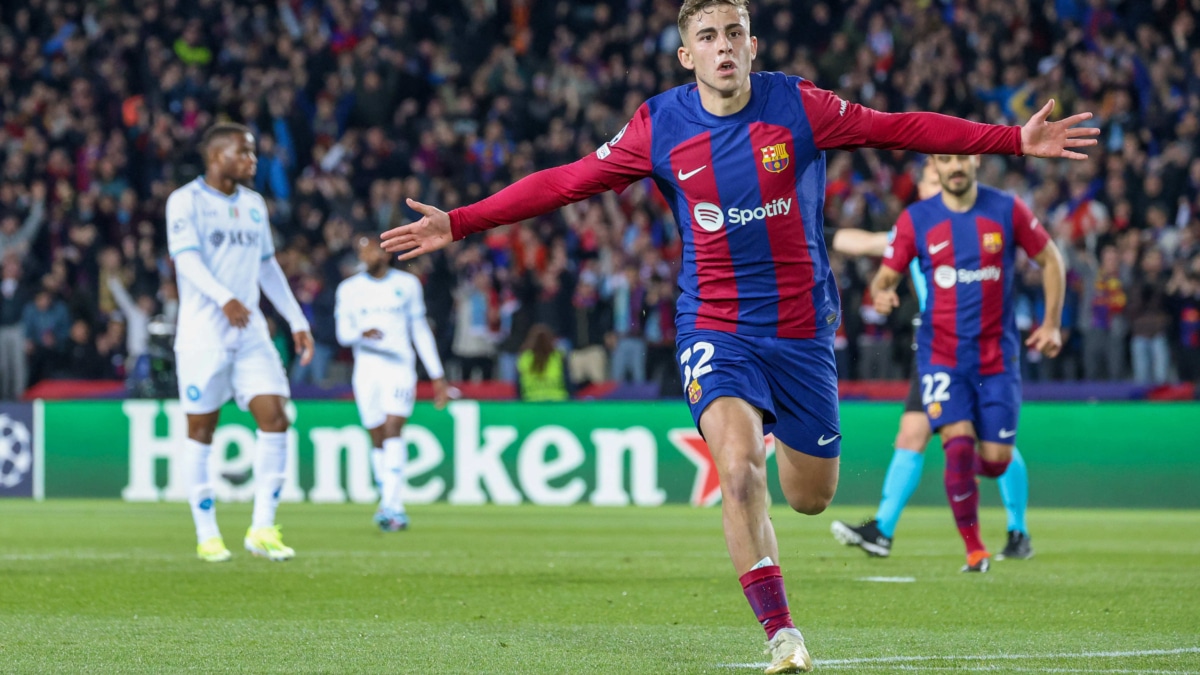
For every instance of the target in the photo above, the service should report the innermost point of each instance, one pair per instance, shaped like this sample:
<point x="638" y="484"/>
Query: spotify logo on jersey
<point x="945" y="276"/>
<point x="708" y="216"/>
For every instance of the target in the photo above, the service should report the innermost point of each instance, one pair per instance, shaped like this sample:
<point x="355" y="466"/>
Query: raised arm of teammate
<point x="614" y="166"/>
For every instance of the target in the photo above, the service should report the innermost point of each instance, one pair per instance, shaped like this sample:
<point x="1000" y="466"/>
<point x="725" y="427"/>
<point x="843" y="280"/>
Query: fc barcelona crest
<point x="993" y="242"/>
<point x="694" y="392"/>
<point x="775" y="157"/>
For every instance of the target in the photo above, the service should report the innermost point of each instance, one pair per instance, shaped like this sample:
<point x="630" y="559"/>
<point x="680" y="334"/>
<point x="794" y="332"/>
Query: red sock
<point x="764" y="589"/>
<point x="962" y="490"/>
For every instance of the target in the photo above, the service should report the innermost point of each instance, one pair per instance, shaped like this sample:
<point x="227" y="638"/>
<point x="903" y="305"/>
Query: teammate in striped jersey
<point x="966" y="242"/>
<point x="740" y="158"/>
<point x="876" y="535"/>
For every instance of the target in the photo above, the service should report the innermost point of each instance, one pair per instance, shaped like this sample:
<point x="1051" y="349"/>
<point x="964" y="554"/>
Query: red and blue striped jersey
<point x="747" y="191"/>
<point x="967" y="261"/>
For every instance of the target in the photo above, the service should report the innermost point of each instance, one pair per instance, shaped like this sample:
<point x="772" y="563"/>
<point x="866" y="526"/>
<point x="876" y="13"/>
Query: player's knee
<point x="201" y="432"/>
<point x="810" y="504"/>
<point x="743" y="482"/>
<point x="908" y="440"/>
<point x="275" y="421"/>
<point x="993" y="469"/>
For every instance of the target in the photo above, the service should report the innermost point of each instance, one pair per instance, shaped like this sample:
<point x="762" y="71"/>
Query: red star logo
<point x="706" y="490"/>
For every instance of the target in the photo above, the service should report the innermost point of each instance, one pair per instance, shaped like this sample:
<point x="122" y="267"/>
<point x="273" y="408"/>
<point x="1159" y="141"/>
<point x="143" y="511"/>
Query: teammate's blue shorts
<point x="792" y="381"/>
<point x="992" y="403"/>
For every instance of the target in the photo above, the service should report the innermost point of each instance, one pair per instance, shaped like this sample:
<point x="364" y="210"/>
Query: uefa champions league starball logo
<point x="16" y="452"/>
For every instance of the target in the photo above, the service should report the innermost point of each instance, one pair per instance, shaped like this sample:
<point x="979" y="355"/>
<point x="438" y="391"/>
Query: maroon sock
<point x="991" y="469"/>
<point x="962" y="490"/>
<point x="764" y="589"/>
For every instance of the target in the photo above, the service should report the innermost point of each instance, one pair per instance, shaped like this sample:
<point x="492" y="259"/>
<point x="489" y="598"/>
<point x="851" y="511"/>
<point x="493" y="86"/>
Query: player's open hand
<point x="304" y="346"/>
<point x="441" y="393"/>
<point x="236" y="312"/>
<point x="1040" y="138"/>
<point x="427" y="235"/>
<point x="885" y="301"/>
<point x="1046" y="340"/>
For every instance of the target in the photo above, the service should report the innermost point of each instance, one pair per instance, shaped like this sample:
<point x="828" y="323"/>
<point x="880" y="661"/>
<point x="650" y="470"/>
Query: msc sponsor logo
<point x="710" y="217"/>
<point x="234" y="238"/>
<point x="946" y="276"/>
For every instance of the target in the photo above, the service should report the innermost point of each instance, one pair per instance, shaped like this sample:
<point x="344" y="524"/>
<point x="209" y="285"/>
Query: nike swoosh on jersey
<point x="1005" y="433"/>
<point x="685" y="176"/>
<point x="934" y="248"/>
<point x="826" y="441"/>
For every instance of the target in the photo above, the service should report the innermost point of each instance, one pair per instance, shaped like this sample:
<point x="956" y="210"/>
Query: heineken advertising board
<point x="600" y="453"/>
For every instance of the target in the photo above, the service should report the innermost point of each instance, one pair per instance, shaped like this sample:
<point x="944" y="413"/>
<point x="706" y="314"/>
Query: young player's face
<point x="956" y="173"/>
<point x="237" y="158"/>
<point x="719" y="48"/>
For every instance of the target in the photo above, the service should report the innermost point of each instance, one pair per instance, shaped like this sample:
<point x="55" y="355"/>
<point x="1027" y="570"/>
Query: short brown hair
<point x="693" y="7"/>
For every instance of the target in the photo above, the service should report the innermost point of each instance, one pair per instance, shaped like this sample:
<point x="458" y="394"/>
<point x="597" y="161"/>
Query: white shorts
<point x="210" y="377"/>
<point x="381" y="391"/>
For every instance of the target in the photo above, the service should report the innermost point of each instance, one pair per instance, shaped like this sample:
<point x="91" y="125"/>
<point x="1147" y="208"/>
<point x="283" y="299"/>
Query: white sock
<point x="269" y="465"/>
<point x="393" y="481"/>
<point x="377" y="467"/>
<point x="204" y="506"/>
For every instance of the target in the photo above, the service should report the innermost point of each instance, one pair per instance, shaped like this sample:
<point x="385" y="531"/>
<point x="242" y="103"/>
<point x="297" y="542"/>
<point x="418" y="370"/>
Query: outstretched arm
<point x="839" y="124"/>
<point x="614" y="166"/>
<point x="854" y="242"/>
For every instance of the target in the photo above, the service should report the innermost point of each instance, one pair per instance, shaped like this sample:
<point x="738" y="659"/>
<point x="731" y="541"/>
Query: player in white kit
<point x="220" y="240"/>
<point x="381" y="314"/>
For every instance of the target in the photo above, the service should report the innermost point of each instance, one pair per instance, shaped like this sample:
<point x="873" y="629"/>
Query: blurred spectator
<point x="317" y="302"/>
<point x="474" y="340"/>
<point x="542" y="374"/>
<point x="1103" y="323"/>
<point x="136" y="315"/>
<point x="80" y="358"/>
<point x="1183" y="293"/>
<point x="15" y="293"/>
<point x="625" y="291"/>
<point x="1149" y="320"/>
<point x="588" y="359"/>
<point x="660" y="336"/>
<point x="47" y="324"/>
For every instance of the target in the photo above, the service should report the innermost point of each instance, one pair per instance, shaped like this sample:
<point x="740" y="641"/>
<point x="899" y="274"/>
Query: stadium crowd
<point x="359" y="104"/>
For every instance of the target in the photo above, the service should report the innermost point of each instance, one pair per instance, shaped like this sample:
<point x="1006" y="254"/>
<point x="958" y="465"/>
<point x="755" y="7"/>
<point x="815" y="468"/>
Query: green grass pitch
<point x="108" y="587"/>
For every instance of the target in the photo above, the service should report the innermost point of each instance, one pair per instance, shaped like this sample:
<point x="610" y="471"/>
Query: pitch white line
<point x="894" y="668"/>
<point x="890" y="580"/>
<point x="993" y="657"/>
